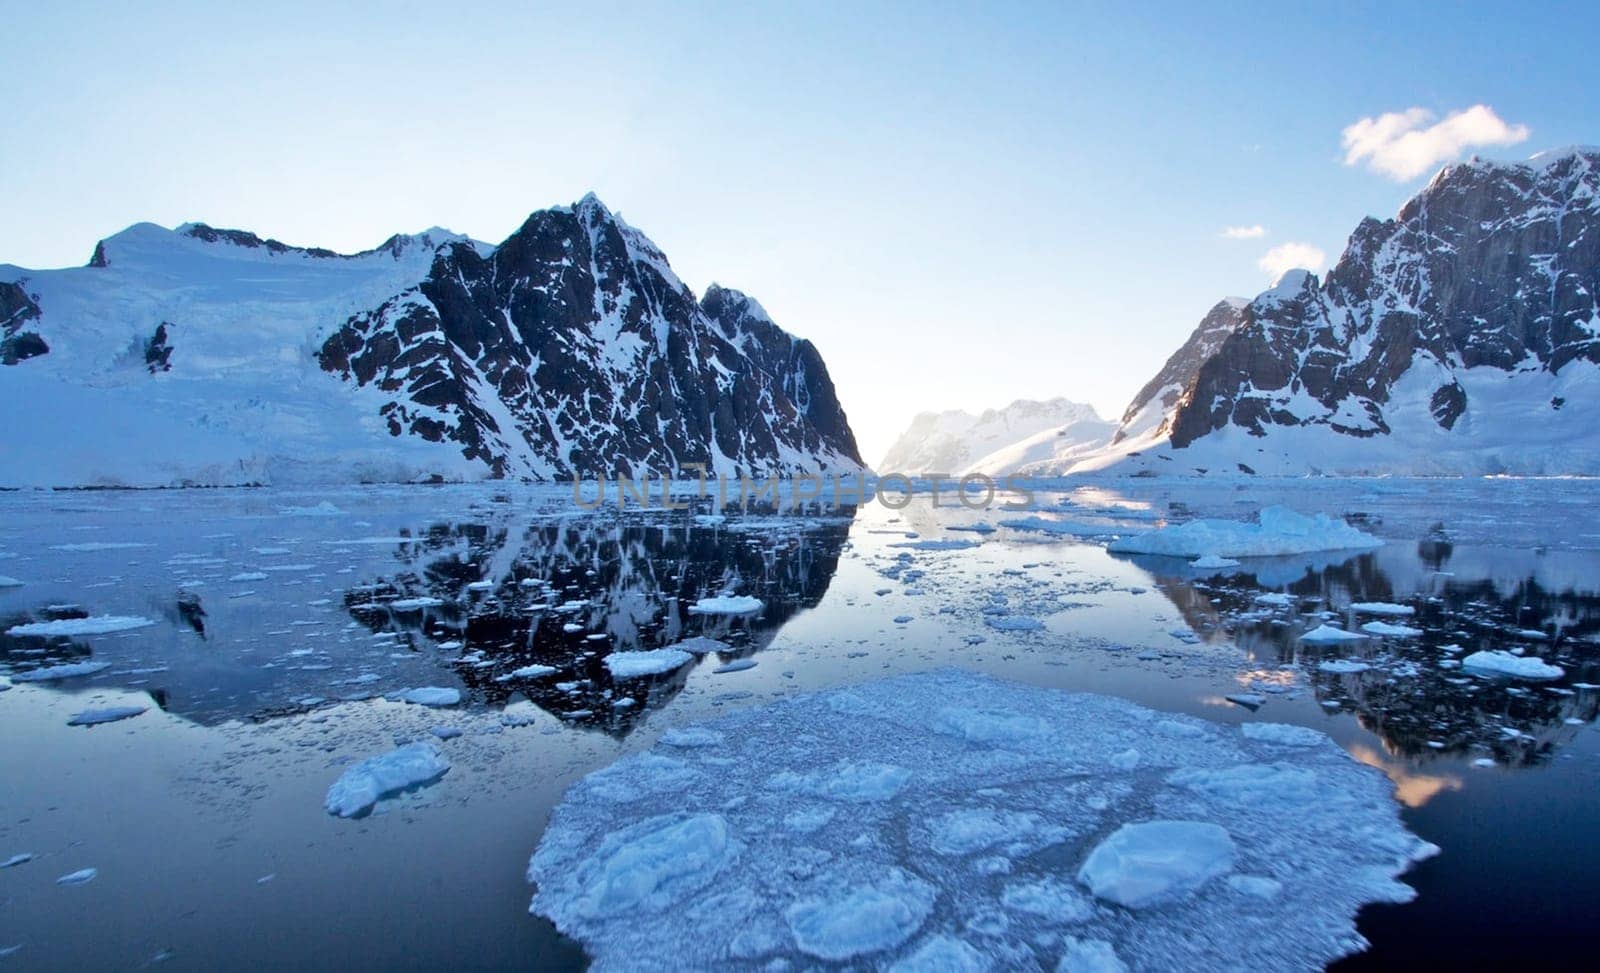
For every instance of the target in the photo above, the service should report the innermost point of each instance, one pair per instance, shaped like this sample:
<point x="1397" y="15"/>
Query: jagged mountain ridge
<point x="1461" y="336"/>
<point x="207" y="356"/>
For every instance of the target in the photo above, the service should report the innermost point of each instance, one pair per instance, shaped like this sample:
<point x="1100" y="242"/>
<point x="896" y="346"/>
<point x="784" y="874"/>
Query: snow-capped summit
<point x="998" y="442"/>
<point x="1461" y="336"/>
<point x="204" y="355"/>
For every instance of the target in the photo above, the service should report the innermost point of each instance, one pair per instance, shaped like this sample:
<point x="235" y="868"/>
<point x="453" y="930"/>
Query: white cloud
<point x="1398" y="145"/>
<point x="1290" y="256"/>
<point x="1255" y="232"/>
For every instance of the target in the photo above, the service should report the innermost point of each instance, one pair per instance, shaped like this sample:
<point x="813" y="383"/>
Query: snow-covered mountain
<point x="1022" y="435"/>
<point x="1462" y="336"/>
<point x="206" y="356"/>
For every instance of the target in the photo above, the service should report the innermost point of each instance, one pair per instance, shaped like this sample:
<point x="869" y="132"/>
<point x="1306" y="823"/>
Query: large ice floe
<point x="949" y="820"/>
<point x="1278" y="531"/>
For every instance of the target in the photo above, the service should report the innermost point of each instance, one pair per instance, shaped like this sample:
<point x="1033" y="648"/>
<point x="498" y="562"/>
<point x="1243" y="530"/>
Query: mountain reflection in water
<point x="566" y="593"/>
<point x="1415" y="696"/>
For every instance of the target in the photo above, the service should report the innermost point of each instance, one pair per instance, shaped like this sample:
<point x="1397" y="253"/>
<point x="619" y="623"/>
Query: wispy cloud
<point x="1255" y="232"/>
<point x="1402" y="145"/>
<point x="1291" y="256"/>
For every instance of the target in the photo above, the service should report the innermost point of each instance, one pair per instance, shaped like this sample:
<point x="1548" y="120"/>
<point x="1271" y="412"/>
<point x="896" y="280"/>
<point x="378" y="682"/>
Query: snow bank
<point x="1280" y="531"/>
<point x="1516" y="666"/>
<point x="363" y="784"/>
<point x="897" y="825"/>
<point x="97" y="625"/>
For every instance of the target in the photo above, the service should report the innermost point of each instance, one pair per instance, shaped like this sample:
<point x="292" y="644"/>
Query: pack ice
<point x="1278" y="531"/>
<point x="953" y="818"/>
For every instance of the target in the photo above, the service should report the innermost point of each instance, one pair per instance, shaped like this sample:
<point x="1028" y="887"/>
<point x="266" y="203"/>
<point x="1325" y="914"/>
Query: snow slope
<point x="998" y="442"/>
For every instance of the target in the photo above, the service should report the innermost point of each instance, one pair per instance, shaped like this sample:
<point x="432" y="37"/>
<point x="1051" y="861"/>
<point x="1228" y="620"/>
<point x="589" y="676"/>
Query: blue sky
<point x="960" y="205"/>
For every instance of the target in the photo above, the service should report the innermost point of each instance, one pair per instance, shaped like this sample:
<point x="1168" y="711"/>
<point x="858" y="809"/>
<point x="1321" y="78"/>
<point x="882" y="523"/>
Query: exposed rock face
<point x="17" y="310"/>
<point x="158" y="350"/>
<point x="1161" y="393"/>
<point x="573" y="350"/>
<point x="1491" y="266"/>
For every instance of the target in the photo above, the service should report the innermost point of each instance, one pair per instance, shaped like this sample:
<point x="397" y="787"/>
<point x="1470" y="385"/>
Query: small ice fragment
<point x="82" y="876"/>
<point x="653" y="662"/>
<point x="110" y="714"/>
<point x="364" y="783"/>
<point x="96" y="625"/>
<point x="1153" y="862"/>
<point x="431" y="696"/>
<point x="726" y="605"/>
<point x="1516" y="666"/>
<point x="1326" y="633"/>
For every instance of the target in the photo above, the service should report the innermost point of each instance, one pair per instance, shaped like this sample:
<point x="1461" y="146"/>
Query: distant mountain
<point x="1462" y="336"/>
<point x="1022" y="435"/>
<point x="207" y="356"/>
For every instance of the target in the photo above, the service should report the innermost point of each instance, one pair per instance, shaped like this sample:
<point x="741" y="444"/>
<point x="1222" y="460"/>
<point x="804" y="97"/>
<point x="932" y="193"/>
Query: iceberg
<point x="1279" y="531"/>
<point x="951" y="820"/>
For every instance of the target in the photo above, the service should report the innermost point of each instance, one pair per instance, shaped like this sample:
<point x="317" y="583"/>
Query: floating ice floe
<point x="82" y="876"/>
<point x="1344" y="666"/>
<point x="700" y="645"/>
<point x="6" y="581"/>
<point x="726" y="605"/>
<point x="1391" y="631"/>
<point x="430" y="696"/>
<point x="110" y="714"/>
<point x="653" y="662"/>
<point x="1213" y="561"/>
<point x="1516" y="666"/>
<point x="1327" y="633"/>
<point x="1280" y="531"/>
<point x="1014" y="623"/>
<point x="934" y="545"/>
<point x="364" y="783"/>
<point x="244" y="576"/>
<point x="951" y="818"/>
<point x="66" y="670"/>
<point x="21" y="858"/>
<point x="528" y="672"/>
<point x="96" y="625"/>
<point x="414" y="604"/>
<point x="1382" y="608"/>
<point x="1059" y="528"/>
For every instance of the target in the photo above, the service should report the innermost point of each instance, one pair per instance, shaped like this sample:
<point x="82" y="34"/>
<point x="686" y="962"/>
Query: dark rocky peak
<point x="17" y="310"/>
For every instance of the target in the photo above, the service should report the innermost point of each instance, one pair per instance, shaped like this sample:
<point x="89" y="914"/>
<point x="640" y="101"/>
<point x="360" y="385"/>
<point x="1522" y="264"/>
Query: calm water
<point x="282" y="619"/>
